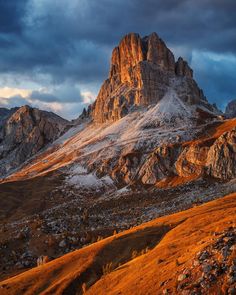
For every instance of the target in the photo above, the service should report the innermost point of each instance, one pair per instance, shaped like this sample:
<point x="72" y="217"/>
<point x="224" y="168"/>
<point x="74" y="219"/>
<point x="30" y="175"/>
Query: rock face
<point x="221" y="159"/>
<point x="211" y="157"/>
<point x="24" y="132"/>
<point x="230" y="110"/>
<point x="142" y="70"/>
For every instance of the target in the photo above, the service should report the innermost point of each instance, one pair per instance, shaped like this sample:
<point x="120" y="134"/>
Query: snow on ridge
<point x="142" y="129"/>
<point x="172" y="105"/>
<point x="130" y="133"/>
<point x="169" y="109"/>
<point x="80" y="178"/>
<point x="70" y="133"/>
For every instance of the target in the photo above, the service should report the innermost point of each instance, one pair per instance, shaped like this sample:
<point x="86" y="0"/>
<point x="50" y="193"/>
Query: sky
<point x="54" y="55"/>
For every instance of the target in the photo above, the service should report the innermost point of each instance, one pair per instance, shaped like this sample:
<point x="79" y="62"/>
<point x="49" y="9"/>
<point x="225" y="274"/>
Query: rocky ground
<point x="214" y="267"/>
<point x="189" y="252"/>
<point x="72" y="218"/>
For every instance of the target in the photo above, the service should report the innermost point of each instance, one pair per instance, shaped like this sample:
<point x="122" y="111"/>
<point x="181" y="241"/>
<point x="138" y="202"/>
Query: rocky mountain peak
<point x="133" y="49"/>
<point x="23" y="132"/>
<point x="230" y="110"/>
<point x="142" y="71"/>
<point x="182" y="68"/>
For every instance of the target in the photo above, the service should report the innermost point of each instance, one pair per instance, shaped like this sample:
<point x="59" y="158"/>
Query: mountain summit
<point x="150" y="145"/>
<point x="142" y="71"/>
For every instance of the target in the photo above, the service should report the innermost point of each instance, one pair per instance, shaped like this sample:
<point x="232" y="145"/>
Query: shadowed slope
<point x="173" y="242"/>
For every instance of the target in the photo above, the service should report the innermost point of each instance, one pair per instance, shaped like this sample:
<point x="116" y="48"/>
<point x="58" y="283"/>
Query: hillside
<point x="75" y="182"/>
<point x="189" y="250"/>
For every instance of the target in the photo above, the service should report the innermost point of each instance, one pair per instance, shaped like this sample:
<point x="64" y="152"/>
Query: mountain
<point x="230" y="110"/>
<point x="168" y="131"/>
<point x="23" y="132"/>
<point x="142" y="72"/>
<point x="190" y="251"/>
<point x="150" y="145"/>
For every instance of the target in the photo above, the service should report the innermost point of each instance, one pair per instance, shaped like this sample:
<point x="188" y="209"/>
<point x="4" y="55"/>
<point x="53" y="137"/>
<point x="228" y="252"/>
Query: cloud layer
<point x="60" y="49"/>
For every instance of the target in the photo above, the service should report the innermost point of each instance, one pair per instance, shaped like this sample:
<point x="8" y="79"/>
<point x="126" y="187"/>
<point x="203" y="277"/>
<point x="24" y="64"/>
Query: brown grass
<point x="171" y="238"/>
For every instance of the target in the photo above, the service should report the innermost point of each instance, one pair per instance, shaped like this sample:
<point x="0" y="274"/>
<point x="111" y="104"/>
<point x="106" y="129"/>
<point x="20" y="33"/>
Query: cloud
<point x="66" y="100"/>
<point x="53" y="45"/>
<point x="66" y="92"/>
<point x="216" y="74"/>
<point x="11" y="15"/>
<point x="9" y="92"/>
<point x="76" y="42"/>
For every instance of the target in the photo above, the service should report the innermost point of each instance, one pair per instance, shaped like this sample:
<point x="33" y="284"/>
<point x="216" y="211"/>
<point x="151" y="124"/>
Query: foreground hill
<point x="190" y="251"/>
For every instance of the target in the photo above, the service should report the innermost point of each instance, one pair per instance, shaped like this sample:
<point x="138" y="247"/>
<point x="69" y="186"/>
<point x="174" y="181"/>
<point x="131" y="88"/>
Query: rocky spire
<point x="132" y="50"/>
<point x="182" y="68"/>
<point x="141" y="72"/>
<point x="230" y="110"/>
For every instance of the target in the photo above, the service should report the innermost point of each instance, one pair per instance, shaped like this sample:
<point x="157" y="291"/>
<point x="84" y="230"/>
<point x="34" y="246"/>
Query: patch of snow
<point x="79" y="177"/>
<point x="70" y="133"/>
<point x="123" y="190"/>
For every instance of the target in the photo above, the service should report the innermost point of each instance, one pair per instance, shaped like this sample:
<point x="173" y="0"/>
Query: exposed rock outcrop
<point x="191" y="160"/>
<point x="24" y="133"/>
<point x="159" y="164"/>
<point x="142" y="70"/>
<point x="221" y="159"/>
<point x="182" y="68"/>
<point x="213" y="157"/>
<point x="230" y="110"/>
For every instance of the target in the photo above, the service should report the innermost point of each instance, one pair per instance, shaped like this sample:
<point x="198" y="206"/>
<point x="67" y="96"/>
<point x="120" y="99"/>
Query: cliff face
<point x="142" y="70"/>
<point x="221" y="159"/>
<point x="213" y="157"/>
<point x="230" y="110"/>
<point x="24" y="132"/>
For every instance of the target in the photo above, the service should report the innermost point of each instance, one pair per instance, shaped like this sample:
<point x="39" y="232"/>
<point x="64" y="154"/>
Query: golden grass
<point x="172" y="238"/>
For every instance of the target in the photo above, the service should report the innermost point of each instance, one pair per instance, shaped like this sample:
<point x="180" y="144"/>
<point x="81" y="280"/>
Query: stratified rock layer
<point x="142" y="70"/>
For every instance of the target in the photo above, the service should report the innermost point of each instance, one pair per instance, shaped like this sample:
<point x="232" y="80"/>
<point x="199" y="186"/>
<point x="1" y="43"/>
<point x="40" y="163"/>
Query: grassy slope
<point x="178" y="236"/>
<point x="20" y="199"/>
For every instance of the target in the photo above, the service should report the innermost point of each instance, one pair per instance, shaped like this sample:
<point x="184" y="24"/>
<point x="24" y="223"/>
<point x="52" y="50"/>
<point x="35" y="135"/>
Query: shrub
<point x="99" y="238"/>
<point x="83" y="288"/>
<point x="42" y="260"/>
<point x="134" y="254"/>
<point x="106" y="269"/>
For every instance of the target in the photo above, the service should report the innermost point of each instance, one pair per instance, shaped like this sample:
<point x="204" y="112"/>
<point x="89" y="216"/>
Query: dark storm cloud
<point x="67" y="93"/>
<point x="217" y="76"/>
<point x="72" y="40"/>
<point x="45" y="97"/>
<point x="11" y="14"/>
